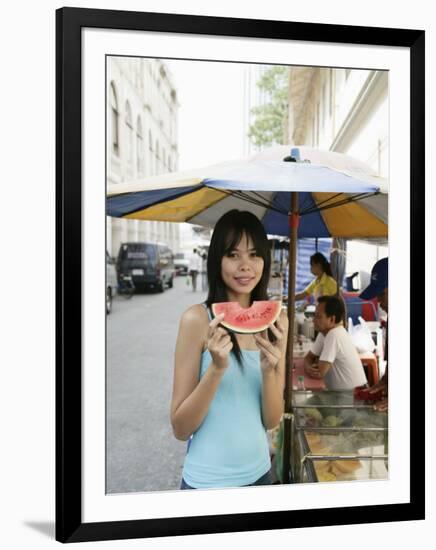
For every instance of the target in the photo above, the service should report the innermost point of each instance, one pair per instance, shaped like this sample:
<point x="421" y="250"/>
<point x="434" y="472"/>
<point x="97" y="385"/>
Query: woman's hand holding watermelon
<point x="272" y="352"/>
<point x="219" y="343"/>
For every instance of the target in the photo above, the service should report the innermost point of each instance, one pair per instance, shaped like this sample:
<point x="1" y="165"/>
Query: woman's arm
<point x="306" y="292"/>
<point x="273" y="358"/>
<point x="191" y="398"/>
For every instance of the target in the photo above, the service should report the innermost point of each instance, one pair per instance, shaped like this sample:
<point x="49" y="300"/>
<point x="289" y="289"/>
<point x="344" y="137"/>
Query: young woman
<point x="324" y="284"/>
<point x="228" y="388"/>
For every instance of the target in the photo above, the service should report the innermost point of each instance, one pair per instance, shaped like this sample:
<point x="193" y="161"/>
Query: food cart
<point x="337" y="437"/>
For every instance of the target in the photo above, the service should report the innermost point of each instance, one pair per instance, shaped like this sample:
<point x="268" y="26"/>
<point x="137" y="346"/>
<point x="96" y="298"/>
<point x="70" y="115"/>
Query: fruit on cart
<point x="321" y="466"/>
<point x="256" y="318"/>
<point x="331" y="421"/>
<point x="319" y="449"/>
<point x="313" y="417"/>
<point x="335" y="470"/>
<point x="339" y="474"/>
<point x="316" y="444"/>
<point x="347" y="466"/>
<point x="312" y="439"/>
<point x="326" y="476"/>
<point x="348" y="416"/>
<point x="362" y="420"/>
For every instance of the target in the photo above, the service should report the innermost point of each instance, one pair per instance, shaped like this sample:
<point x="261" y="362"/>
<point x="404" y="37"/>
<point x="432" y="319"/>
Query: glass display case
<point x="336" y="437"/>
<point x="327" y="398"/>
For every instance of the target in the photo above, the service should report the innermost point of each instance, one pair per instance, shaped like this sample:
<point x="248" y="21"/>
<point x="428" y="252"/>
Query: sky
<point x="210" y="120"/>
<point x="210" y="117"/>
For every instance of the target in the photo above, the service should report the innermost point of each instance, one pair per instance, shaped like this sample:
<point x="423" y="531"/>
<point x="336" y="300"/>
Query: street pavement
<point x="142" y="452"/>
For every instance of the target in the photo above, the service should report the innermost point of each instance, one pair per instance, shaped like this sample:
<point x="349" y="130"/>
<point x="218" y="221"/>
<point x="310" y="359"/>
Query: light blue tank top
<point x="230" y="448"/>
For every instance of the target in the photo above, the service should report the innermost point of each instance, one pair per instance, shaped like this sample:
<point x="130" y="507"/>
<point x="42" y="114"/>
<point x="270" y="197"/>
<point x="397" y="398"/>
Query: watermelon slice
<point x="248" y="320"/>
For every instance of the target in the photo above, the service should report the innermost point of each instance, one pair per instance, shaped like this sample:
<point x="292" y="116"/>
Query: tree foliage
<point x="270" y="123"/>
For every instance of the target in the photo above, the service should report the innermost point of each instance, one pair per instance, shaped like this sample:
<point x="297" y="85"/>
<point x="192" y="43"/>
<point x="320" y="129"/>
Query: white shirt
<point x="337" y="348"/>
<point x="195" y="263"/>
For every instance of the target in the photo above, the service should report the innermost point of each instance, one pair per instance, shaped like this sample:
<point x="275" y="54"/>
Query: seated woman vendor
<point x="324" y="284"/>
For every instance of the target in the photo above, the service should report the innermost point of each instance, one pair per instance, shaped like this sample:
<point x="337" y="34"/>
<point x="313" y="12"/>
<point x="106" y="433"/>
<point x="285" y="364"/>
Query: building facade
<point x="142" y="111"/>
<point x="343" y="110"/>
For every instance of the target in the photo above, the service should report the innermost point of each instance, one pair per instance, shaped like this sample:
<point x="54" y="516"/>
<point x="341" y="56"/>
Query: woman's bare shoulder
<point x="194" y="323"/>
<point x="195" y="315"/>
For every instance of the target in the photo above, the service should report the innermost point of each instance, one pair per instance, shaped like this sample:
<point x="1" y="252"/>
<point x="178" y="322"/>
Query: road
<point x="142" y="452"/>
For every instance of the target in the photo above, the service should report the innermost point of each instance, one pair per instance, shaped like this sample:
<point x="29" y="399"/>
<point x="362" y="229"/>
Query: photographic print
<point x="243" y="213"/>
<point x="162" y="124"/>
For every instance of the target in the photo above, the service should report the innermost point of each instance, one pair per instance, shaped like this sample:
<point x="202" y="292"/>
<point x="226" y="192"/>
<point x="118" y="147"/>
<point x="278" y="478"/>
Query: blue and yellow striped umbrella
<point x="338" y="196"/>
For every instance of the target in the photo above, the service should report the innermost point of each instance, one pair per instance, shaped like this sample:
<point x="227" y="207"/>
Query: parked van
<point x="151" y="265"/>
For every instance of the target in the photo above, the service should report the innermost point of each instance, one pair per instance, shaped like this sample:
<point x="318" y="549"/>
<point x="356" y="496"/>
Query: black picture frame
<point x="69" y="22"/>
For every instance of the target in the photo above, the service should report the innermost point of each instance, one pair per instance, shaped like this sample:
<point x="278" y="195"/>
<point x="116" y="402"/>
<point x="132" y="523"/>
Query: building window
<point x="114" y="120"/>
<point x="129" y="134"/>
<point x="139" y="148"/>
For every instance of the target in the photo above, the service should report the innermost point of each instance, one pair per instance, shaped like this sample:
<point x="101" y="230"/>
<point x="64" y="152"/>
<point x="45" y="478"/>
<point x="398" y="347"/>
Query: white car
<point x="181" y="264"/>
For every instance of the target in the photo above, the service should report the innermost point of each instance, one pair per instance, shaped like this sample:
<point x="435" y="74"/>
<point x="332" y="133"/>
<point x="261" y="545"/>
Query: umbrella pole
<point x="287" y="424"/>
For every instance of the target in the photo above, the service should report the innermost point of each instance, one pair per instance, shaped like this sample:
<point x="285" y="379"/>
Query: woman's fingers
<point x="267" y="347"/>
<point x="225" y="340"/>
<point x="227" y="348"/>
<point x="214" y="324"/>
<point x="277" y="332"/>
<point x="222" y="349"/>
<point x="261" y="340"/>
<point x="216" y="331"/>
<point x="219" y="335"/>
<point x="219" y="339"/>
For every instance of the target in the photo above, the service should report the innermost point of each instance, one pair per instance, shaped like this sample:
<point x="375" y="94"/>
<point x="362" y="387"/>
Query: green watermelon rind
<point x="240" y="329"/>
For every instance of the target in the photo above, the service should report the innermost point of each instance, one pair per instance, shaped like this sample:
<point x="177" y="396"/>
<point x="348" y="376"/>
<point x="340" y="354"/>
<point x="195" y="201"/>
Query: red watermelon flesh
<point x="248" y="320"/>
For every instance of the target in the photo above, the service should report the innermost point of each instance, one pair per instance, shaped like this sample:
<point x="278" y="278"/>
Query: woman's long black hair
<point x="321" y="260"/>
<point x="228" y="232"/>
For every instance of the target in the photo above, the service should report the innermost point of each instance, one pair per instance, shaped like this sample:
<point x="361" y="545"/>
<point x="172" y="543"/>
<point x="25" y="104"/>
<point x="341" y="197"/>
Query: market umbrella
<point x="307" y="193"/>
<point x="262" y="184"/>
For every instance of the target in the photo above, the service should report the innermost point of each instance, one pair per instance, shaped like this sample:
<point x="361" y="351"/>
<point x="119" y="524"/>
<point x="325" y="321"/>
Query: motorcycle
<point x="126" y="286"/>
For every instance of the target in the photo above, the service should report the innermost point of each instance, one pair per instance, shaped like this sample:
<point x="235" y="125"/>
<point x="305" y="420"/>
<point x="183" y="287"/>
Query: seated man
<point x="333" y="356"/>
